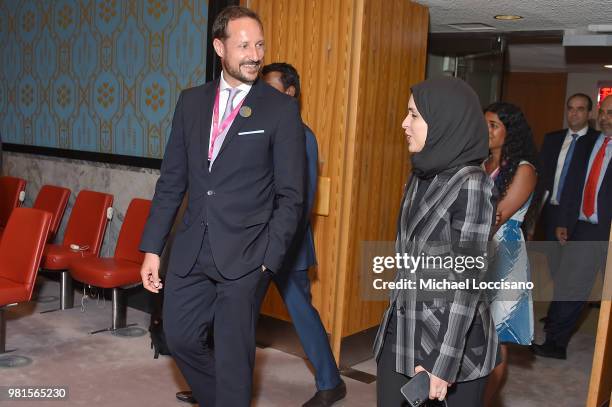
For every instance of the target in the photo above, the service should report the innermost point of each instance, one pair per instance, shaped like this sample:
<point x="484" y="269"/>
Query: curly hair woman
<point x="511" y="164"/>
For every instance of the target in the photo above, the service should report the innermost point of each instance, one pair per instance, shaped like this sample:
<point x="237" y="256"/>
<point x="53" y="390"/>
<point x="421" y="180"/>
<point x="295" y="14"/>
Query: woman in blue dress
<point x="511" y="164"/>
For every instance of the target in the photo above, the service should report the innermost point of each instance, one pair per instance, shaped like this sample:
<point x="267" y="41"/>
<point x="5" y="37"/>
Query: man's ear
<point x="219" y="47"/>
<point x="290" y="91"/>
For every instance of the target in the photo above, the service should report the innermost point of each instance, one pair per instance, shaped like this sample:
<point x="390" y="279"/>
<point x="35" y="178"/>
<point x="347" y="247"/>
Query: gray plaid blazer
<point x="451" y="334"/>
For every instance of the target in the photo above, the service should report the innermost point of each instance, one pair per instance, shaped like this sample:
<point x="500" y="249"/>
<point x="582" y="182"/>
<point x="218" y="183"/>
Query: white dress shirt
<point x="223" y="95"/>
<point x="561" y="160"/>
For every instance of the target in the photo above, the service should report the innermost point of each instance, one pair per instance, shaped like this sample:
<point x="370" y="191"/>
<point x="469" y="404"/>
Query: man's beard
<point x="236" y="74"/>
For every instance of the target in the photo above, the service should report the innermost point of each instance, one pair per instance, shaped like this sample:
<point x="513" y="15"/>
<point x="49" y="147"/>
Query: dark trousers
<point x="582" y="257"/>
<point x="389" y="382"/>
<point x="294" y="287"/>
<point x="209" y="323"/>
<point x="550" y="214"/>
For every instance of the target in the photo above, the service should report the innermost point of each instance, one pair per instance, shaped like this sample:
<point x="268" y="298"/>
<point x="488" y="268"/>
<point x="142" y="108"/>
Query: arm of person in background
<point x="543" y="189"/>
<point x="570" y="192"/>
<point x="518" y="192"/>
<point x="571" y="196"/>
<point x="534" y="211"/>
<point x="169" y="192"/>
<point x="289" y="155"/>
<point x="312" y="162"/>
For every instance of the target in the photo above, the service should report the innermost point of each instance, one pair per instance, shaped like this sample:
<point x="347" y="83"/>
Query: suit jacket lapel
<point x="431" y="195"/>
<point x="205" y="119"/>
<point x="239" y="121"/>
<point x="439" y="189"/>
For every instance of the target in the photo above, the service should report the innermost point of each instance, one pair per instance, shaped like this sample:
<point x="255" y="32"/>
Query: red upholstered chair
<point x="20" y="252"/>
<point x="53" y="199"/>
<point x="12" y="194"/>
<point x="121" y="271"/>
<point x="82" y="238"/>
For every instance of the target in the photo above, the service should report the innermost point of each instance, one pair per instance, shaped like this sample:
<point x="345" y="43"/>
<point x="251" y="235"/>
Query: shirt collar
<point x="580" y="132"/>
<point x="243" y="87"/>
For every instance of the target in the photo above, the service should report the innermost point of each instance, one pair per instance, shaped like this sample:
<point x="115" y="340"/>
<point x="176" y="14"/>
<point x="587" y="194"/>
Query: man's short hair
<point x="582" y="95"/>
<point x="289" y="75"/>
<point x="219" y="28"/>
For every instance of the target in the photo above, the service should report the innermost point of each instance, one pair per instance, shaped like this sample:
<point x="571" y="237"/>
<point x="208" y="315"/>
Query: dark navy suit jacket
<point x="547" y="167"/>
<point x="549" y="154"/>
<point x="251" y="201"/>
<point x="302" y="254"/>
<point x="571" y="197"/>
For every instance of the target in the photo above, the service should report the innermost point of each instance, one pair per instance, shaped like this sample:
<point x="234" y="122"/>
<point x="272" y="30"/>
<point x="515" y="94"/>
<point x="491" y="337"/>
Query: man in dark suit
<point x="237" y="146"/>
<point x="293" y="284"/>
<point x="554" y="161"/>
<point x="584" y="228"/>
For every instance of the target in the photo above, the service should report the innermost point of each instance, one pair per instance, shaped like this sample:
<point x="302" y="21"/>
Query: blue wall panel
<point x="98" y="75"/>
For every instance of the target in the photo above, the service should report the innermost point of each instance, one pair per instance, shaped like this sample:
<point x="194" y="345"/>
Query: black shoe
<point x="549" y="350"/>
<point x="186" y="396"/>
<point x="326" y="398"/>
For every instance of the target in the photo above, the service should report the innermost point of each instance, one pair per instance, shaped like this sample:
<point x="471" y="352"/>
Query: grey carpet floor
<point x="107" y="370"/>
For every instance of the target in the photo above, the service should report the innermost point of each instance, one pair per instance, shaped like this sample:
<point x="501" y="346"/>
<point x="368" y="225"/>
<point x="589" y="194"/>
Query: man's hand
<point x="149" y="273"/>
<point x="437" y="386"/>
<point x="561" y="234"/>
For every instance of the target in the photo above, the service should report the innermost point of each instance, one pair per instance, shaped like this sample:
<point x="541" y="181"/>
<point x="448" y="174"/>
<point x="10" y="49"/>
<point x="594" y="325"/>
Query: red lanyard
<point x="217" y="130"/>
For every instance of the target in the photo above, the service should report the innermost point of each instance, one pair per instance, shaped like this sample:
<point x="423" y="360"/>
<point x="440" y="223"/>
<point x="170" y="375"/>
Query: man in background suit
<point x="237" y="146"/>
<point x="584" y="228"/>
<point x="554" y="161"/>
<point x="293" y="284"/>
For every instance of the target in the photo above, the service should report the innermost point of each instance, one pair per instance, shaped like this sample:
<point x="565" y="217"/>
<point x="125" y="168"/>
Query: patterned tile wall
<point x="98" y="75"/>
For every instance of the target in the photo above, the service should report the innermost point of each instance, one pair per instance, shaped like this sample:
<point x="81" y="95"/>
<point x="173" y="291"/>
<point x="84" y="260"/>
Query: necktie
<point x="566" y="164"/>
<point x="230" y="100"/>
<point x="590" y="191"/>
<point x="218" y="137"/>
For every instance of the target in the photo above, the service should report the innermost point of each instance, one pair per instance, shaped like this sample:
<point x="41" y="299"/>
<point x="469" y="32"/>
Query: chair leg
<point x="119" y="309"/>
<point x="9" y="360"/>
<point x="119" y="316"/>
<point x="2" y="331"/>
<point x="66" y="291"/>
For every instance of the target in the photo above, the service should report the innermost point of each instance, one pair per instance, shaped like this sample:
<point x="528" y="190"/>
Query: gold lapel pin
<point x="245" y="111"/>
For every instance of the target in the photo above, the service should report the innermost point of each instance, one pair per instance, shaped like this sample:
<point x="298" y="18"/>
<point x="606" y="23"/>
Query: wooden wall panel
<point x="541" y="97"/>
<point x="315" y="37"/>
<point x="357" y="60"/>
<point x="600" y="385"/>
<point x="393" y="56"/>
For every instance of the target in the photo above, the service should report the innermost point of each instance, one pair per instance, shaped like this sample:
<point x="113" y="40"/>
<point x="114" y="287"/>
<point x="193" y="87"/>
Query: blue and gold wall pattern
<point x="98" y="75"/>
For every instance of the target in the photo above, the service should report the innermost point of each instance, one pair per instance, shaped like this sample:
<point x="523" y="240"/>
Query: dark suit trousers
<point x="389" y="382"/>
<point x="294" y="287"/>
<point x="209" y="323"/>
<point x="553" y="249"/>
<point x="583" y="256"/>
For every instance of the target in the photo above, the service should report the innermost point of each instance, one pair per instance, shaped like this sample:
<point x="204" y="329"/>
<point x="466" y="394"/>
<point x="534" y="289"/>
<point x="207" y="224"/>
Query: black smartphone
<point x="416" y="391"/>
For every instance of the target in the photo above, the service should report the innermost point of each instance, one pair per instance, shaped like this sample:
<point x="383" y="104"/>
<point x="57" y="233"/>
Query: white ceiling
<point x="537" y="14"/>
<point x="548" y="58"/>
